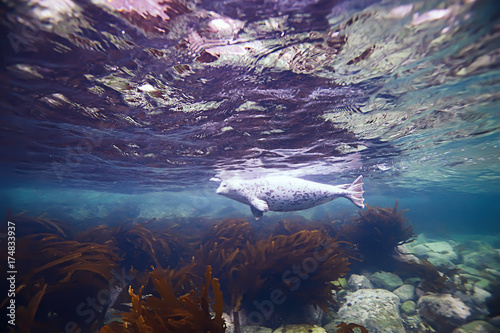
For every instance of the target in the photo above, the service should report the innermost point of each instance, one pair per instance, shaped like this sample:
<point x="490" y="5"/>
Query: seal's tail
<point x="355" y="192"/>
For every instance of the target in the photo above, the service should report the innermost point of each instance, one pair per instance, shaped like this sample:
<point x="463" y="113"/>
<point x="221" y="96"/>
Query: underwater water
<point x="119" y="120"/>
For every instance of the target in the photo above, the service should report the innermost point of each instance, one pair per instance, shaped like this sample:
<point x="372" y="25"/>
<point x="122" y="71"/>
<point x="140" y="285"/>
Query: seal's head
<point x="232" y="188"/>
<point x="224" y="188"/>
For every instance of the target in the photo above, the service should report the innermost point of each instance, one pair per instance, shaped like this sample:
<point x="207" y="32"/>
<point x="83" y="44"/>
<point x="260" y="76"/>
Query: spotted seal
<point x="283" y="193"/>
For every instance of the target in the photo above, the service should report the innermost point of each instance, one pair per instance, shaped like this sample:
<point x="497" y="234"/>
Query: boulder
<point x="475" y="298"/>
<point x="405" y="293"/>
<point x="357" y="282"/>
<point x="376" y="309"/>
<point x="477" y="326"/>
<point x="386" y="280"/>
<point x="443" y="311"/>
<point x="479" y="295"/>
<point x="441" y="250"/>
<point x="403" y="254"/>
<point x="441" y="264"/>
<point x="481" y="259"/>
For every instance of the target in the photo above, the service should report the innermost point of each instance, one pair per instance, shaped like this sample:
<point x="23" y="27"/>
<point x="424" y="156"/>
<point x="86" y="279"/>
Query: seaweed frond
<point x="167" y="313"/>
<point x="51" y="267"/>
<point x="139" y="246"/>
<point x="57" y="260"/>
<point x="28" y="225"/>
<point x="26" y="315"/>
<point x="432" y="280"/>
<point x="301" y="265"/>
<point x="377" y="232"/>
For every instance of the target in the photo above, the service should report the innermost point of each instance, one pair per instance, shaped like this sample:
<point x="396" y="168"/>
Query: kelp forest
<point x="198" y="275"/>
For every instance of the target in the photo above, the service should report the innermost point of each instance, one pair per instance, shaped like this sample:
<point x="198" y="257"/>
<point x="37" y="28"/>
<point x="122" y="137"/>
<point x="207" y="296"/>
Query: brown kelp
<point x="50" y="268"/>
<point x="56" y="260"/>
<point x="28" y="225"/>
<point x="26" y="314"/>
<point x="376" y="233"/>
<point x="139" y="246"/>
<point x="223" y="247"/>
<point x="189" y="313"/>
<point x="298" y="267"/>
<point x="431" y="279"/>
<point x="292" y="225"/>
<point x="301" y="264"/>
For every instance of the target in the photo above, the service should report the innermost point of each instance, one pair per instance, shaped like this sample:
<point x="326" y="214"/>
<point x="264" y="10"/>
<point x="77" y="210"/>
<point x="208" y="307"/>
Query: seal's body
<point x="282" y="193"/>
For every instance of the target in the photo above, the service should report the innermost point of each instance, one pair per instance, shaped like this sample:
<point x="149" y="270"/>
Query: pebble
<point x="405" y="293"/>
<point x="357" y="282"/>
<point x="409" y="308"/>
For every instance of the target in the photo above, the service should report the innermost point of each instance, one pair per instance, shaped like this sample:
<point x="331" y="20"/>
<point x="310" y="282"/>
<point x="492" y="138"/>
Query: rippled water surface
<point x="146" y="96"/>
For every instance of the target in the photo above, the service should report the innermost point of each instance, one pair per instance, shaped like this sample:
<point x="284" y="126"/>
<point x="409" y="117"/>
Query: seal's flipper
<point x="256" y="213"/>
<point x="355" y="192"/>
<point x="258" y="207"/>
<point x="259" y="204"/>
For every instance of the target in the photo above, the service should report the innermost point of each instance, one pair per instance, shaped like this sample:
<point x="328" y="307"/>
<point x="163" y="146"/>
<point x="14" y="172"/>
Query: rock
<point x="443" y="309"/>
<point x="300" y="329"/>
<point x="478" y="326"/>
<point x="436" y="250"/>
<point x="469" y="270"/>
<point x="341" y="294"/>
<point x="343" y="282"/>
<point x="314" y="315"/>
<point x="376" y="309"/>
<point x="481" y="259"/>
<point x="403" y="254"/>
<point x="256" y="329"/>
<point x="480" y="296"/>
<point x="414" y="324"/>
<point x="475" y="298"/>
<point x="474" y="293"/>
<point x="442" y="264"/>
<point x="484" y="283"/>
<point x="386" y="280"/>
<point x="492" y="272"/>
<point x="413" y="281"/>
<point x="405" y="293"/>
<point x="495" y="321"/>
<point x="357" y="282"/>
<point x="476" y="246"/>
<point x="409" y="308"/>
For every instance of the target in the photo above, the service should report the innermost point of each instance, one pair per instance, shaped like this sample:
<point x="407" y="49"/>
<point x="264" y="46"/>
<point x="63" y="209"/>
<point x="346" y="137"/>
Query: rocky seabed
<point x="384" y="303"/>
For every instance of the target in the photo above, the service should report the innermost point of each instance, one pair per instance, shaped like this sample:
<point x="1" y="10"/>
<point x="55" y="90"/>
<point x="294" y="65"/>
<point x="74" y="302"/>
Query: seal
<point x="283" y="193"/>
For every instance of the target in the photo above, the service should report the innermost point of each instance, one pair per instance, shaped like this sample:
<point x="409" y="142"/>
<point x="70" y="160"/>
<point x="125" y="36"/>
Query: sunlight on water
<point x="148" y="95"/>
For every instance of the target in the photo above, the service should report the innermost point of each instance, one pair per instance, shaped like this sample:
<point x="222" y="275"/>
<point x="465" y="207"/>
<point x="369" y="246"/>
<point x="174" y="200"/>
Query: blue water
<point x="123" y="111"/>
